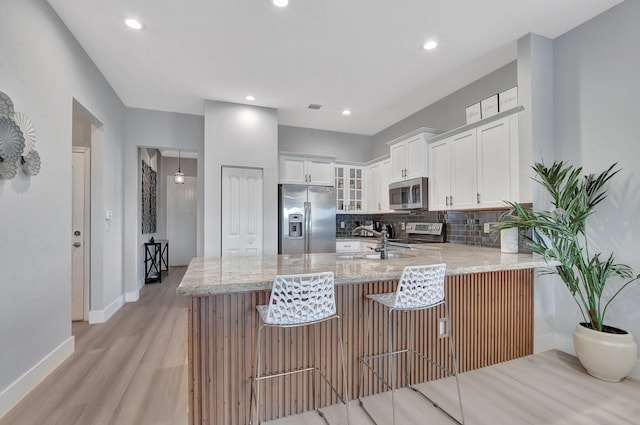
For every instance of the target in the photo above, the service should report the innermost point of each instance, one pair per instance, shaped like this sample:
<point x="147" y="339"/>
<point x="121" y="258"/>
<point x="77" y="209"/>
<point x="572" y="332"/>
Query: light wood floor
<point x="130" y="370"/>
<point x="550" y="388"/>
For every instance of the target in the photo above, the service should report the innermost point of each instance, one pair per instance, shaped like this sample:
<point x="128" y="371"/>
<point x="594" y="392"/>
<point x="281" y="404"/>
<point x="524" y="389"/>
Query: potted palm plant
<point x="606" y="352"/>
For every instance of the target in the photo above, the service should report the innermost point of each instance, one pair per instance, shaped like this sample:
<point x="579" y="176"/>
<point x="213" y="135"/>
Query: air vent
<point x="314" y="106"/>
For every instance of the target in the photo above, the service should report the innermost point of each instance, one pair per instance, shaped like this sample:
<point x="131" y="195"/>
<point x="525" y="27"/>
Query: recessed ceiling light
<point x="281" y="3"/>
<point x="430" y="45"/>
<point x="346" y="112"/>
<point x="250" y="98"/>
<point x="133" y="23"/>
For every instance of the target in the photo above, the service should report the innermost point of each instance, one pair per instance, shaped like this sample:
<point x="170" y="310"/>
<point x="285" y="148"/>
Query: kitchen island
<point x="490" y="297"/>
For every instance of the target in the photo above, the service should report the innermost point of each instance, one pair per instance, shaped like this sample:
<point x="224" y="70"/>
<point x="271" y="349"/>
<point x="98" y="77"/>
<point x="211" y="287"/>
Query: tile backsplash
<point x="464" y="227"/>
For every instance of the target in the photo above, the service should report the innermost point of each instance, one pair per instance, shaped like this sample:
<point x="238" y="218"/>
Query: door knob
<point x="76" y="244"/>
<point x="77" y="233"/>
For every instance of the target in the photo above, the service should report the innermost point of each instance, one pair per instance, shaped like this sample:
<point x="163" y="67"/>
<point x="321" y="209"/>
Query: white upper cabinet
<point x="378" y="179"/>
<point x="409" y="155"/>
<point x="464" y="172"/>
<point x="374" y="187"/>
<point x="497" y="161"/>
<point x="476" y="168"/>
<point x="350" y="187"/>
<point x="440" y="176"/>
<point x="453" y="179"/>
<point x="386" y="179"/>
<point x="311" y="171"/>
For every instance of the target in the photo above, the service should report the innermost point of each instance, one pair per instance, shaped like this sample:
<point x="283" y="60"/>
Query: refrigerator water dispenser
<point x="295" y="225"/>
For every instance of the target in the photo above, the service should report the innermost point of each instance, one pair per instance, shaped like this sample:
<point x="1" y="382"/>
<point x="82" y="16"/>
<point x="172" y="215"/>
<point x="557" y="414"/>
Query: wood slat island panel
<point x="492" y="315"/>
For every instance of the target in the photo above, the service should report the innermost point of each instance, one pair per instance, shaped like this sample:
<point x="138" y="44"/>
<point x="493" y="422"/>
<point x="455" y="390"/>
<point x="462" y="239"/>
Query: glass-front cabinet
<point x="349" y="183"/>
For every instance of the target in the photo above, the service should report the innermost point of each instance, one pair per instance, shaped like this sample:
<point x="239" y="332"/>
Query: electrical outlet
<point x="342" y="225"/>
<point x="402" y="225"/>
<point x="442" y="328"/>
<point x="487" y="227"/>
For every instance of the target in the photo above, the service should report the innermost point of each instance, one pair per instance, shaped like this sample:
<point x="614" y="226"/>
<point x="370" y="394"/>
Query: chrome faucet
<point x="357" y="230"/>
<point x="382" y="249"/>
<point x="383" y="242"/>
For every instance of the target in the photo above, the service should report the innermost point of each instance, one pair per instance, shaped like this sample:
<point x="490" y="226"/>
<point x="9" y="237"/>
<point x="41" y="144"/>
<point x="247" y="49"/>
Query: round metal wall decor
<point x="6" y="105"/>
<point x="17" y="142"/>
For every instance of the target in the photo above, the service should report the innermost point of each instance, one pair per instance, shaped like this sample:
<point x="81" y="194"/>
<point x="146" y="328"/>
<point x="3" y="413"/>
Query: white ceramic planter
<point x="606" y="356"/>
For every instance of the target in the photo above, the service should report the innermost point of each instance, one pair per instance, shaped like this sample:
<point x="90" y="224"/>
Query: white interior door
<point x="241" y="210"/>
<point x="79" y="238"/>
<point x="182" y="220"/>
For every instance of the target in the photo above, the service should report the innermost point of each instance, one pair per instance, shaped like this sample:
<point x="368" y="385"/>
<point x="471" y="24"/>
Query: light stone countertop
<point x="245" y="273"/>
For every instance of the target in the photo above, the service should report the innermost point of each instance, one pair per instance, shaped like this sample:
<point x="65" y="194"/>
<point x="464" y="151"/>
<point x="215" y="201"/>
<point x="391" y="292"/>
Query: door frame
<point x="87" y="227"/>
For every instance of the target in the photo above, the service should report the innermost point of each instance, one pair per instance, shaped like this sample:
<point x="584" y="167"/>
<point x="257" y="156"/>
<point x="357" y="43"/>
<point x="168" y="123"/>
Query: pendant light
<point x="179" y="176"/>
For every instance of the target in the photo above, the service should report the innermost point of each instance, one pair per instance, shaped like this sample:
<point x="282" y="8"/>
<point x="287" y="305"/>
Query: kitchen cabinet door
<point x="349" y="183"/>
<point x="415" y="160"/>
<point x="293" y="170"/>
<point x="320" y="173"/>
<point x="385" y="180"/>
<point x="495" y="164"/>
<point x="348" y="246"/>
<point x="374" y="188"/>
<point x="398" y="154"/>
<point x="440" y="175"/>
<point x="464" y="184"/>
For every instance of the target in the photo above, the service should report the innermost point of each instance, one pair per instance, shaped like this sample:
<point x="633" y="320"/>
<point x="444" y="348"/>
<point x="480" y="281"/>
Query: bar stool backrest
<point x="420" y="286"/>
<point x="301" y="298"/>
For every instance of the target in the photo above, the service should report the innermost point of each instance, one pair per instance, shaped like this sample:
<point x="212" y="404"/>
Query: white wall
<point x="597" y="105"/>
<point x="144" y="128"/>
<point x="240" y="136"/>
<point x="43" y="69"/>
<point x="344" y="146"/>
<point x="535" y="128"/>
<point x="449" y="112"/>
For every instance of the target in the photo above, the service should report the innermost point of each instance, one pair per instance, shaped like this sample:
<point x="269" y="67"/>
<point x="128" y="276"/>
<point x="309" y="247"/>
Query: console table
<point x="156" y="260"/>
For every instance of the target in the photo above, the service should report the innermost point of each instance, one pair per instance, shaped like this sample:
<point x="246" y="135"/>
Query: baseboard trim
<point x="22" y="386"/>
<point x="544" y="342"/>
<point x="131" y="297"/>
<point x="101" y="316"/>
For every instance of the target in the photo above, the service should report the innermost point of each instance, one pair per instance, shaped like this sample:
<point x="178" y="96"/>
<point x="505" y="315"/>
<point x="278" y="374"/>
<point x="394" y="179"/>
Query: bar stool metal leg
<point x="315" y="368"/>
<point x="255" y="387"/>
<point x="453" y="358"/>
<point x="410" y="352"/>
<point x="367" y="344"/>
<point x="345" y="391"/>
<point x="392" y="366"/>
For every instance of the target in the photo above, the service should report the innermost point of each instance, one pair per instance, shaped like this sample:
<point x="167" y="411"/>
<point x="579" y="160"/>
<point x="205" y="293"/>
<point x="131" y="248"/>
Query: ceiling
<point x="364" y="55"/>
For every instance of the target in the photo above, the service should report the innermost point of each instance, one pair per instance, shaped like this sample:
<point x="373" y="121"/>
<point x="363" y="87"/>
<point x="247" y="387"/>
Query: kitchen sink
<point x="367" y="256"/>
<point x="345" y="256"/>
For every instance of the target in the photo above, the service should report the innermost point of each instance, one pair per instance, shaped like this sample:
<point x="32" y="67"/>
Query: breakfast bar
<point x="490" y="296"/>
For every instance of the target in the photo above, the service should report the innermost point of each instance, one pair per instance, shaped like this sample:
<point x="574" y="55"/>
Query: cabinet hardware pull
<point x="451" y="200"/>
<point x="446" y="200"/>
<point x="478" y="198"/>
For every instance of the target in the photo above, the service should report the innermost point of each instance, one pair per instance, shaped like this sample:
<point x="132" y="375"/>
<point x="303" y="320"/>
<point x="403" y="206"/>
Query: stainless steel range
<point x="425" y="232"/>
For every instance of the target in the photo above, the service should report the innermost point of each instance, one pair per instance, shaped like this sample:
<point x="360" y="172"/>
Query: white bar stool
<point x="419" y="288"/>
<point x="298" y="300"/>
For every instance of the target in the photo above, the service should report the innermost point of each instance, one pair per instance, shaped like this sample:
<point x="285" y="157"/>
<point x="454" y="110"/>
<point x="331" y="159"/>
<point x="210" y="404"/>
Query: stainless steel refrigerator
<point x="307" y="222"/>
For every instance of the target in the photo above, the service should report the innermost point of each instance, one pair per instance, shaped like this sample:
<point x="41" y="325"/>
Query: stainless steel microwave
<point x="409" y="194"/>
